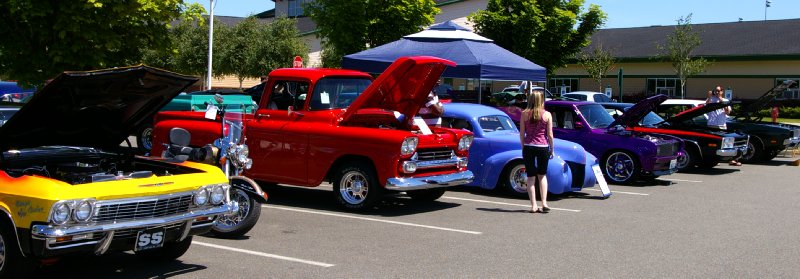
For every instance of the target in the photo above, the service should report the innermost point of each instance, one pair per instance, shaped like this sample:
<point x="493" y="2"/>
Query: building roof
<point x="771" y="38"/>
<point x="306" y="26"/>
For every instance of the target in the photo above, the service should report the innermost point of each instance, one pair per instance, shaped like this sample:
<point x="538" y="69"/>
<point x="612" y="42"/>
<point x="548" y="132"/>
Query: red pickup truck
<point x="317" y="125"/>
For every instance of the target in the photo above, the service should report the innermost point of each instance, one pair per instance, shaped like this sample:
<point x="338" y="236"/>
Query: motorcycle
<point x="230" y="153"/>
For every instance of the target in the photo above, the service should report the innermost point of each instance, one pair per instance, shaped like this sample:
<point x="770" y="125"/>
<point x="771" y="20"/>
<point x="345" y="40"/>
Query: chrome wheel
<point x="354" y="187"/>
<point x="620" y="167"/>
<point x="684" y="160"/>
<point x="518" y="179"/>
<point x="751" y="152"/>
<point x="228" y="222"/>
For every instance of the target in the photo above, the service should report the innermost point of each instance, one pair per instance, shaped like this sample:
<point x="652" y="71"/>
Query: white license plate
<point x="598" y="174"/>
<point x="673" y="163"/>
<point x="149" y="239"/>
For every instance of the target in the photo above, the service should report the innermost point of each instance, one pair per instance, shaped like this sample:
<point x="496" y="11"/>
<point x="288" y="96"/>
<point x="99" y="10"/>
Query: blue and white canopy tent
<point x="476" y="56"/>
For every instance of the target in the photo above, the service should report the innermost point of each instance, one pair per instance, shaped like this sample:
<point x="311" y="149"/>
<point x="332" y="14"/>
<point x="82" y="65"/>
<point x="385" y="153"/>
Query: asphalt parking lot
<point x="724" y="222"/>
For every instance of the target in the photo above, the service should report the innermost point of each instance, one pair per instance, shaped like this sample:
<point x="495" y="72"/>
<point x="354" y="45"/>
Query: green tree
<point x="678" y="50"/>
<point x="351" y="26"/>
<point x="547" y="32"/>
<point x="253" y="48"/>
<point x="597" y="64"/>
<point x="281" y="42"/>
<point x="44" y="38"/>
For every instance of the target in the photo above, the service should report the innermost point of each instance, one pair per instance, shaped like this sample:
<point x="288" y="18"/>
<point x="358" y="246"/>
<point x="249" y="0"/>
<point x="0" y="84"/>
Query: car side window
<point x="456" y="123"/>
<point x="285" y="94"/>
<point x="563" y="118"/>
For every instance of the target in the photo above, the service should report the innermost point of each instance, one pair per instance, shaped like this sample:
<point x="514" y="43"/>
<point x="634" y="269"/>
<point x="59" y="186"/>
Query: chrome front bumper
<point x="732" y="152"/>
<point x="50" y="231"/>
<point x="428" y="182"/>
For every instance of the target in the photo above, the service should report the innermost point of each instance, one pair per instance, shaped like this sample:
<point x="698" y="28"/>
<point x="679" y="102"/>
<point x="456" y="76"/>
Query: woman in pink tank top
<point x="536" y="135"/>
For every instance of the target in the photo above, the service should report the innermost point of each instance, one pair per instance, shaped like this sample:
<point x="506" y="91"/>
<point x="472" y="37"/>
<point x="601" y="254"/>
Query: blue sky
<point x="621" y="13"/>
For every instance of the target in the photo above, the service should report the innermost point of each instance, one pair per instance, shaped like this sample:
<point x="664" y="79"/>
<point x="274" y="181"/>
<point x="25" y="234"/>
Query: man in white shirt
<point x="718" y="118"/>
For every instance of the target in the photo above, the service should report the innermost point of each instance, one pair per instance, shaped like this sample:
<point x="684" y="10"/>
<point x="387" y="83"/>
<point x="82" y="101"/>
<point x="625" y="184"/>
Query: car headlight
<point x="201" y="196"/>
<point x="409" y="146"/>
<point x="465" y="142"/>
<point x="84" y="211"/>
<point x="61" y="213"/>
<point x="217" y="194"/>
<point x="727" y="142"/>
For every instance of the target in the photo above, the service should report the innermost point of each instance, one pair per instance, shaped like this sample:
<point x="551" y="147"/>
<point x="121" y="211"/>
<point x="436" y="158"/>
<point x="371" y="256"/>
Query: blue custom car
<point x="496" y="153"/>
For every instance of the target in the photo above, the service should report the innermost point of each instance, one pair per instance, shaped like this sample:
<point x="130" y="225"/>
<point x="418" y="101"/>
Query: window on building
<point x="296" y="7"/>
<point x="667" y="86"/>
<point x="560" y="86"/>
<point x="793" y="92"/>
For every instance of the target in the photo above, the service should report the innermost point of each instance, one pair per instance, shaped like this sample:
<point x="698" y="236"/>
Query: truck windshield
<point x="337" y="92"/>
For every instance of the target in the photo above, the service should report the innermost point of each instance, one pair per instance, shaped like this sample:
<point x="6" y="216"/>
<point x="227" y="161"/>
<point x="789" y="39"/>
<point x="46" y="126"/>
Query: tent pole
<point x="479" y="91"/>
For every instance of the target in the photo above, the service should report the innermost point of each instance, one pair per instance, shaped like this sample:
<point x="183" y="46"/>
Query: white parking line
<point x="370" y="219"/>
<point x="619" y="192"/>
<point x="681" y="180"/>
<point x="505" y="203"/>
<point x="262" y="254"/>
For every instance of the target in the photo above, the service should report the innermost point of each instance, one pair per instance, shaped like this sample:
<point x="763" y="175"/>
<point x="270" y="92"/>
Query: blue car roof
<point x="466" y="110"/>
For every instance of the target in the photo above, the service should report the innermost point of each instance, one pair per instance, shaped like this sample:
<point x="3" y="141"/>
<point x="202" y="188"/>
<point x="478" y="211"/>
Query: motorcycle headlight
<point x="60" y="213"/>
<point x="242" y="153"/>
<point x="727" y="142"/>
<point x="409" y="146"/>
<point x="217" y="194"/>
<point x="201" y="196"/>
<point x="465" y="142"/>
<point x="84" y="211"/>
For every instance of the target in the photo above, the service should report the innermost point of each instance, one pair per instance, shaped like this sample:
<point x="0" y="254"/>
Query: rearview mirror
<point x="218" y="98"/>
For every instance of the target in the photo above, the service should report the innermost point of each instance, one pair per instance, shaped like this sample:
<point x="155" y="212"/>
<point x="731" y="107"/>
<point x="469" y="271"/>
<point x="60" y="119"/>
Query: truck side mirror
<point x="578" y="125"/>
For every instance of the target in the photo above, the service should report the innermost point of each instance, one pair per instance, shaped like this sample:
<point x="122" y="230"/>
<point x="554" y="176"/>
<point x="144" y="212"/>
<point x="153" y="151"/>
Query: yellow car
<point x="67" y="186"/>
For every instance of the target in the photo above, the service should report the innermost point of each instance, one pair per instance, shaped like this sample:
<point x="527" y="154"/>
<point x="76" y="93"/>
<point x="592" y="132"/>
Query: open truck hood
<point x="403" y="87"/>
<point x="92" y="109"/>
<point x="634" y="114"/>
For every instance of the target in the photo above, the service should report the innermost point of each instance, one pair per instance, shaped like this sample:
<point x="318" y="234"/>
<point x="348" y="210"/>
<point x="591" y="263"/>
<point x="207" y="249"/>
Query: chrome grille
<point x="434" y="154"/>
<point x="796" y="133"/>
<point x="142" y="208"/>
<point x="667" y="149"/>
<point x="132" y="232"/>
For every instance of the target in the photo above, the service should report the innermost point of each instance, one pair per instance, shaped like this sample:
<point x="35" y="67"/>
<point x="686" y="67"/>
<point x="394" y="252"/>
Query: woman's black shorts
<point x="536" y="159"/>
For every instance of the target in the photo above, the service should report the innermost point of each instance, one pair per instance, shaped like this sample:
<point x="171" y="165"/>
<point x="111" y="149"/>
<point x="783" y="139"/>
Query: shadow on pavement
<point x="712" y="171"/>
<point x="501" y="194"/>
<point x="504" y="210"/>
<point x="392" y="204"/>
<point x="114" y="265"/>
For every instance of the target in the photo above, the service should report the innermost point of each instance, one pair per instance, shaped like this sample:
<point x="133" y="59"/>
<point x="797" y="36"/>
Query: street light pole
<point x="210" y="43"/>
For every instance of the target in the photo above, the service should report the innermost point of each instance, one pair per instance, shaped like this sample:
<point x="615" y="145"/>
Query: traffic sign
<point x="298" y="62"/>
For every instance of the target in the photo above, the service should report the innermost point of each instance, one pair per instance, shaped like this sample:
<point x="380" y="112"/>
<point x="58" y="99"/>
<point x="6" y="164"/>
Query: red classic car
<point x="317" y="125"/>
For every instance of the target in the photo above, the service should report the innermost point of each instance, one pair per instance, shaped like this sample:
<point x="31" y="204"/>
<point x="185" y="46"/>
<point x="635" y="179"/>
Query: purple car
<point x="625" y="156"/>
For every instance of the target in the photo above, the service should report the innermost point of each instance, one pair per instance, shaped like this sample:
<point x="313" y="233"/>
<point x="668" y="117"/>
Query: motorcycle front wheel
<point x="240" y="222"/>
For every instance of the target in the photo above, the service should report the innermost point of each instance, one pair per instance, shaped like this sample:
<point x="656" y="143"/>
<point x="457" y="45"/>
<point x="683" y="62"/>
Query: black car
<point x="767" y="139"/>
<point x="704" y="147"/>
